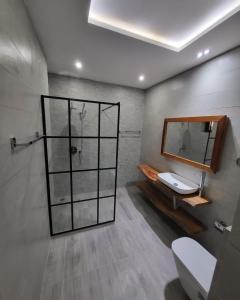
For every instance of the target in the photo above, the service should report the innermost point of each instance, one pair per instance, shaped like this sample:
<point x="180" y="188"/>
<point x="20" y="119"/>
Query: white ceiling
<point x="152" y="21"/>
<point x="66" y="36"/>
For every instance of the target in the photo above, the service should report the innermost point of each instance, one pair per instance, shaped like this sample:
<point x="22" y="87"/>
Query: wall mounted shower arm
<point x="106" y="108"/>
<point x="14" y="144"/>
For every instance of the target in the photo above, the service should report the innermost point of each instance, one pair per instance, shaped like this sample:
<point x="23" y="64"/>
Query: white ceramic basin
<point x="178" y="183"/>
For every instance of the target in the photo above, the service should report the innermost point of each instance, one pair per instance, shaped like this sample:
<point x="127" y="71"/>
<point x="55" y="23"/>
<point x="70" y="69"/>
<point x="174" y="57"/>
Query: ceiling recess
<point x="152" y="21"/>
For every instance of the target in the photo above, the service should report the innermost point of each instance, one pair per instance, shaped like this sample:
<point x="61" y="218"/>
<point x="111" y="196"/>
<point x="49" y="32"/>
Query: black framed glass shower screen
<point x="81" y="139"/>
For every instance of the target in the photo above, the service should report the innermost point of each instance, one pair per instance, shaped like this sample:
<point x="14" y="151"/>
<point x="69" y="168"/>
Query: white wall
<point x="23" y="213"/>
<point x="210" y="89"/>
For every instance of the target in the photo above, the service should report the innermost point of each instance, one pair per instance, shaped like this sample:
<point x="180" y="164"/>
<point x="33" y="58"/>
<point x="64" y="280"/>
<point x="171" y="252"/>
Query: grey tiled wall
<point x="132" y="104"/>
<point x="225" y="284"/>
<point x="23" y="213"/>
<point x="210" y="89"/>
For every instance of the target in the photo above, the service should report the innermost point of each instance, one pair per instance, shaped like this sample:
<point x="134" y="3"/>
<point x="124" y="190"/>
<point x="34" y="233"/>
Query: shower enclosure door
<point x="81" y="157"/>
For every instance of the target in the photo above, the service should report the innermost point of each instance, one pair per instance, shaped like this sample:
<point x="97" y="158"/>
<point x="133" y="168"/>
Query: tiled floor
<point x="127" y="260"/>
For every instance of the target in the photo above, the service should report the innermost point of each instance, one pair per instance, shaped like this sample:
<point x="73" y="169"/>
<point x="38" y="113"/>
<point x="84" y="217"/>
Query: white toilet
<point x="195" y="267"/>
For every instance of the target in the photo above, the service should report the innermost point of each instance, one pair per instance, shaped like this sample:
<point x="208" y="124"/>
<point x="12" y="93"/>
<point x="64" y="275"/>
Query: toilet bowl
<point x="195" y="266"/>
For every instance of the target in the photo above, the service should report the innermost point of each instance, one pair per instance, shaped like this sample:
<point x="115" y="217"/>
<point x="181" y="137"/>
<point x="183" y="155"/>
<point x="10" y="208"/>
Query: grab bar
<point x="130" y="131"/>
<point x="14" y="144"/>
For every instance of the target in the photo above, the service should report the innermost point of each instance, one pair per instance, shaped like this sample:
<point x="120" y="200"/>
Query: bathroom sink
<point x="178" y="183"/>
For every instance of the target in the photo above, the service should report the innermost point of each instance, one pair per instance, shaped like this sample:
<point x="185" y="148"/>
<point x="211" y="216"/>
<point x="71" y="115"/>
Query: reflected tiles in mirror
<point x="191" y="140"/>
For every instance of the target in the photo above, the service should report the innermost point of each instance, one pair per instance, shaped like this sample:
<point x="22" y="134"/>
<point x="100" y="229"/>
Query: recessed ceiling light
<point x="78" y="65"/>
<point x="206" y="51"/>
<point x="199" y="55"/>
<point x="141" y="77"/>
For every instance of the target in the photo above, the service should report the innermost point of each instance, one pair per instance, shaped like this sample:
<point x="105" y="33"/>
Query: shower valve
<point x="74" y="150"/>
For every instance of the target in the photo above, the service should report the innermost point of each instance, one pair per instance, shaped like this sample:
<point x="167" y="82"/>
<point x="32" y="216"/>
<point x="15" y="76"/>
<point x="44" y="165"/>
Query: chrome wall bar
<point x="130" y="133"/>
<point x="14" y="144"/>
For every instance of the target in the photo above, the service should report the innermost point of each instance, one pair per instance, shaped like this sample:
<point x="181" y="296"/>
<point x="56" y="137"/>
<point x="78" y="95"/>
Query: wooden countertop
<point x="190" y="199"/>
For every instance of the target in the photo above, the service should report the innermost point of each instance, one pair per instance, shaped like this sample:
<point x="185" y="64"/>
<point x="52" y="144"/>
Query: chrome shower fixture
<point x="83" y="112"/>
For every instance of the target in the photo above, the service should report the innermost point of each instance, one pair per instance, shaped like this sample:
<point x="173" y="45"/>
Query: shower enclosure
<point x="81" y="157"/>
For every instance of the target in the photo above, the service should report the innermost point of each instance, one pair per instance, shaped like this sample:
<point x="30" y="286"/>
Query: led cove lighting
<point x="199" y="55"/>
<point x="141" y="77"/>
<point x="133" y="31"/>
<point x="78" y="65"/>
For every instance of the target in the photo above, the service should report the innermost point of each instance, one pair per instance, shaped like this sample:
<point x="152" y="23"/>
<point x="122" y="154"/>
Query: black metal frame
<point x="71" y="171"/>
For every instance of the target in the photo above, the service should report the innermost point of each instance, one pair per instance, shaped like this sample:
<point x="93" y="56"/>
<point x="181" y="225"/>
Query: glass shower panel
<point x="106" y="209"/>
<point x="84" y="118"/>
<point x="80" y="161"/>
<point x="84" y="213"/>
<point x="58" y="154"/>
<point x="109" y="120"/>
<point x="108" y="150"/>
<point x="106" y="183"/>
<point x="85" y="154"/>
<point x="61" y="218"/>
<point x="56" y="115"/>
<point x="60" y="188"/>
<point x="84" y="185"/>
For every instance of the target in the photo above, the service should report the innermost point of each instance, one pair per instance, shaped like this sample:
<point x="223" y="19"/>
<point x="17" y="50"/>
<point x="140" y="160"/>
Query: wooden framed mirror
<point x="196" y="141"/>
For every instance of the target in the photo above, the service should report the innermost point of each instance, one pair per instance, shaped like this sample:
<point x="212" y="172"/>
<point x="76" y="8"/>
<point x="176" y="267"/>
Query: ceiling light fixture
<point x="78" y="65"/>
<point x="201" y="53"/>
<point x="141" y="77"/>
<point x="206" y="51"/>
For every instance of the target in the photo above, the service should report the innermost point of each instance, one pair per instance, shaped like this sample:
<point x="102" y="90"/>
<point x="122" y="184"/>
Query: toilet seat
<point x="197" y="260"/>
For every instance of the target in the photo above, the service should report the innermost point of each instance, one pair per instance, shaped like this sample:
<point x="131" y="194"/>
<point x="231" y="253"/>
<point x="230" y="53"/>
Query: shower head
<point x="83" y="113"/>
<point x="83" y="107"/>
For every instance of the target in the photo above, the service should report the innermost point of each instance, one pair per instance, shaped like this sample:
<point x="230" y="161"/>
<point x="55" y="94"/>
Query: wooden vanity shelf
<point x="195" y="200"/>
<point x="160" y="196"/>
<point x="148" y="171"/>
<point x="179" y="216"/>
<point x="191" y="199"/>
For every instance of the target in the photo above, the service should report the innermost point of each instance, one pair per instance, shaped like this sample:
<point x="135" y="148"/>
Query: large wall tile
<point x="210" y="89"/>
<point x="24" y="225"/>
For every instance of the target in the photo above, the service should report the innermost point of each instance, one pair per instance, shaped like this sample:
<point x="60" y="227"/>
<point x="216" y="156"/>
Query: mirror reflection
<point x="191" y="140"/>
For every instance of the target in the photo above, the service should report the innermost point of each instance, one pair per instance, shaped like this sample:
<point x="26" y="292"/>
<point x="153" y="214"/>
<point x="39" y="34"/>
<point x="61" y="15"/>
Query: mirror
<point x="196" y="141"/>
